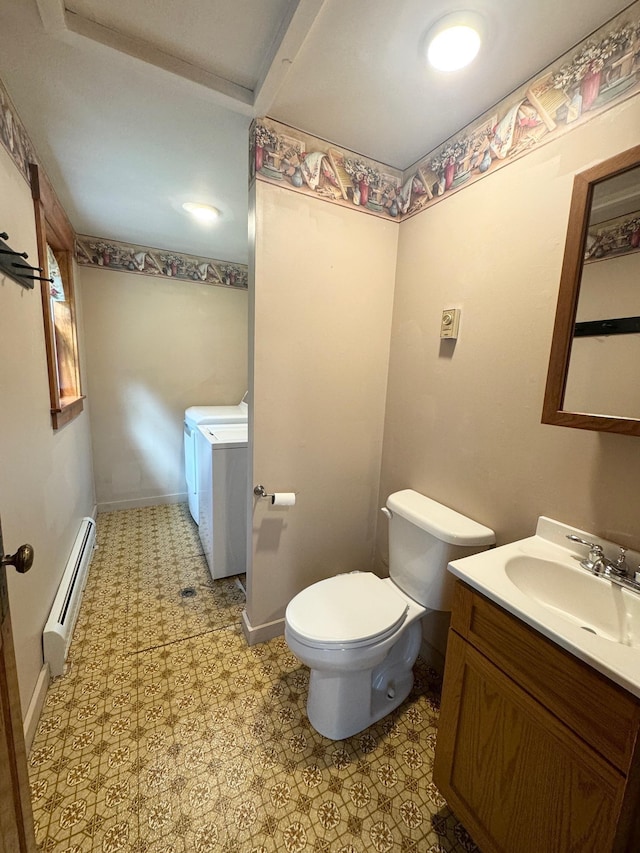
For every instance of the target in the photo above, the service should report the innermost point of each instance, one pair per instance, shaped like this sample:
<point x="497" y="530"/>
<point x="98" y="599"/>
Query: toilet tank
<point x="424" y="537"/>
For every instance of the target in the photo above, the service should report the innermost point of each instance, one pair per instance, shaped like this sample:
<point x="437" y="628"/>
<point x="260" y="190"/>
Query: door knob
<point x="22" y="559"/>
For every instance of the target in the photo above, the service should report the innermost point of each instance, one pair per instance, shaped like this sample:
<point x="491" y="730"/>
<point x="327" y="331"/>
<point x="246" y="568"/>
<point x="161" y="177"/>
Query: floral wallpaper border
<point x="13" y="135"/>
<point x="614" y="237"/>
<point x="596" y="75"/>
<point x="143" y="260"/>
<point x="296" y="160"/>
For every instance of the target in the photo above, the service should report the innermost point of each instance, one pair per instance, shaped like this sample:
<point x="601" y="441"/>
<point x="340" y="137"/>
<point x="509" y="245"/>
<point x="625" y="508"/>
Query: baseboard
<point x="261" y="633"/>
<point x="32" y="717"/>
<point x="134" y="503"/>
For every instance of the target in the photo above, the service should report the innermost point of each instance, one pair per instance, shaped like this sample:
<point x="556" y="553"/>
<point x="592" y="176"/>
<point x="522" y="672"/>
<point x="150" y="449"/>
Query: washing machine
<point x="222" y="496"/>
<point x="193" y="417"/>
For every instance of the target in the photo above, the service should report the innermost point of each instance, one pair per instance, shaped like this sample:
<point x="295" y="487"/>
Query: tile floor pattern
<point x="168" y="734"/>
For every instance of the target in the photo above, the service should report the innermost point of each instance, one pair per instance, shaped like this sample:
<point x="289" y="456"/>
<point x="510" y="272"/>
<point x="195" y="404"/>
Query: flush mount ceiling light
<point x="454" y="41"/>
<point x="202" y="212"/>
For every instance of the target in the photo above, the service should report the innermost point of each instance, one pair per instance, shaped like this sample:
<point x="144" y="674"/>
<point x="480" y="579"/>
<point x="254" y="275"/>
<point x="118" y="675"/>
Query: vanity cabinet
<point x="536" y="751"/>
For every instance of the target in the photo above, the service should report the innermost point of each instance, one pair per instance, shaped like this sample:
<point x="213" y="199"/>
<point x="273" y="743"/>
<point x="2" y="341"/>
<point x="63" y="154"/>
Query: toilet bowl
<point x="355" y="680"/>
<point x="359" y="634"/>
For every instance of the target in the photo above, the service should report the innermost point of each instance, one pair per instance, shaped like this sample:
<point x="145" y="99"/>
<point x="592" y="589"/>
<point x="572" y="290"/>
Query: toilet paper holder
<point x="260" y="492"/>
<point x="277" y="498"/>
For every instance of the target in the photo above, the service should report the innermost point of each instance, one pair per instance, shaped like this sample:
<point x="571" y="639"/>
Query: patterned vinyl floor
<point x="168" y="733"/>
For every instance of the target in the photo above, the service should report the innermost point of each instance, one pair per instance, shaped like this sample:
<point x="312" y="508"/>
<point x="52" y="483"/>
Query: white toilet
<point x="360" y="635"/>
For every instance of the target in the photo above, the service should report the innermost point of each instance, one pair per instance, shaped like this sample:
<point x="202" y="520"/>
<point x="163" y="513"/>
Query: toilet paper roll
<point x="283" y="499"/>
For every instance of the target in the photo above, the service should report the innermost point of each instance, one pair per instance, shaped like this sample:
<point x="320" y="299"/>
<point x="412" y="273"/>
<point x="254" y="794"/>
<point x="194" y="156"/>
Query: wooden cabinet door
<point x="515" y="776"/>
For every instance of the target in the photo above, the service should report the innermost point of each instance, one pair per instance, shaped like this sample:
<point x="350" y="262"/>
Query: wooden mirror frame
<point x="579" y="212"/>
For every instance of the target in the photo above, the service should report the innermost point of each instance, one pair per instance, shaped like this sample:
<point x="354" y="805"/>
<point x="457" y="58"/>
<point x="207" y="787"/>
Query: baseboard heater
<point x="62" y="619"/>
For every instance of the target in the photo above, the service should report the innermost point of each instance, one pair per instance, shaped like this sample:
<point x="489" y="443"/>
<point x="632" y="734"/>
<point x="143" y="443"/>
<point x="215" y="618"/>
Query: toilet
<point x="359" y="634"/>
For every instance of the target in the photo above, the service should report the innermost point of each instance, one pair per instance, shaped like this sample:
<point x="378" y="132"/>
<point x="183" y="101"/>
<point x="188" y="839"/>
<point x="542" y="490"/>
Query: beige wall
<point x="324" y="281"/>
<point x="155" y="347"/>
<point x="46" y="483"/>
<point x="463" y="420"/>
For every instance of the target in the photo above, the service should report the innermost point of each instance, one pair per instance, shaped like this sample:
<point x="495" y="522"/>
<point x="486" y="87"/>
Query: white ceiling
<point x="135" y="107"/>
<point x="195" y="31"/>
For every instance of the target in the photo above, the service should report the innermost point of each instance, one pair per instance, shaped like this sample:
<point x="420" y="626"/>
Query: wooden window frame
<point x="53" y="228"/>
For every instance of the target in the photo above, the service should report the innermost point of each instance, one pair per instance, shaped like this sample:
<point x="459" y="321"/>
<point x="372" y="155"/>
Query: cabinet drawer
<point x="597" y="710"/>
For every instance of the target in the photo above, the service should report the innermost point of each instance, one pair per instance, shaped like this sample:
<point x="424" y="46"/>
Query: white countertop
<point x="556" y="576"/>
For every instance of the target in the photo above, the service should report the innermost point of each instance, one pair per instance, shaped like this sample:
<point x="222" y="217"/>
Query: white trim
<point x="294" y="30"/>
<point x="228" y="94"/>
<point x="155" y="500"/>
<point x="32" y="717"/>
<point x="52" y="14"/>
<point x="261" y="633"/>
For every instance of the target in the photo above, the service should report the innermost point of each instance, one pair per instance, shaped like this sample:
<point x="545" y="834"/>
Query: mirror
<point x="591" y="383"/>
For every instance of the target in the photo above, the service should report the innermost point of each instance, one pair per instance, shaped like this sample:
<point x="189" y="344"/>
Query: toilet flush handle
<point x="386" y="511"/>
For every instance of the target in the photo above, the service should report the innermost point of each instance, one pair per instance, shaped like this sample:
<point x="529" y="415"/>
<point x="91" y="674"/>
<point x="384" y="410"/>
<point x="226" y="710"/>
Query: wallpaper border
<point x="160" y="263"/>
<point x="14" y="136"/>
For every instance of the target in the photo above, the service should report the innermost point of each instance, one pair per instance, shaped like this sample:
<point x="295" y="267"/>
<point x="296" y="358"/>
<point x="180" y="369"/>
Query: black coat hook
<point x="9" y="267"/>
<point x="26" y="267"/>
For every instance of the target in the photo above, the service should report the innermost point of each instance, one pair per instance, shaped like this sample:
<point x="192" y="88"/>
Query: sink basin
<point x="540" y="580"/>
<point x="593" y="603"/>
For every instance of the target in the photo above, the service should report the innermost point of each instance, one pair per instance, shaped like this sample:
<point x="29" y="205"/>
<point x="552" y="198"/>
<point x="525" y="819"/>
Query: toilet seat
<point x="345" y="611"/>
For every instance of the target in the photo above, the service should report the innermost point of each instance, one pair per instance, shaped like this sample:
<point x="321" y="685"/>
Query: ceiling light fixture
<point x="454" y="41"/>
<point x="202" y="212"/>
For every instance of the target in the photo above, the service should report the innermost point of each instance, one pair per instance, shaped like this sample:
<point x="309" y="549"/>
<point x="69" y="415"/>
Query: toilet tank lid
<point x="445" y="524"/>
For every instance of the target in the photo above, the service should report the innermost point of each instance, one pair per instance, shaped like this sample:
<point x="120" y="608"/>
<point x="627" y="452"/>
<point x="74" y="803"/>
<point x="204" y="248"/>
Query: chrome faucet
<point x="598" y="564"/>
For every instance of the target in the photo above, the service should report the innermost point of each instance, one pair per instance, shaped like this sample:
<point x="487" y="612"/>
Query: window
<point x="55" y="250"/>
